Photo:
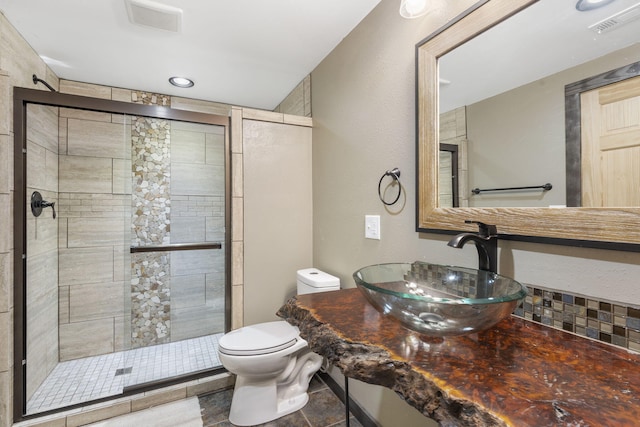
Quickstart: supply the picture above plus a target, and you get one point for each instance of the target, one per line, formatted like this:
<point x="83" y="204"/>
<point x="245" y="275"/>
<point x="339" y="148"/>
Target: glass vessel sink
<point x="439" y="300"/>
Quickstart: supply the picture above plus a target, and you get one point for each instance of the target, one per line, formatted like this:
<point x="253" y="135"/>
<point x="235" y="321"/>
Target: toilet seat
<point x="262" y="338"/>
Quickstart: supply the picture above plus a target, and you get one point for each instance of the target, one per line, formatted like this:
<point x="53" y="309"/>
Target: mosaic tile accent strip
<point x="151" y="171"/>
<point x="461" y="283"/>
<point x="610" y="322"/>
<point x="150" y="225"/>
<point x="150" y="298"/>
<point x="148" y="98"/>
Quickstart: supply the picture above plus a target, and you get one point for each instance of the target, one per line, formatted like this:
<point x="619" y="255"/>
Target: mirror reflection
<point x="502" y="105"/>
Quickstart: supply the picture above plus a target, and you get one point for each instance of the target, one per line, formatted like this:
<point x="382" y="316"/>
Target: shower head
<point x="36" y="80"/>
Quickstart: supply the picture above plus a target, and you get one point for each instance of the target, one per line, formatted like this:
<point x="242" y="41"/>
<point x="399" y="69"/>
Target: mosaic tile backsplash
<point x="606" y="321"/>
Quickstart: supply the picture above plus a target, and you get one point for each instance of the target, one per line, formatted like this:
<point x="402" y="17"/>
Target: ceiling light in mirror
<point x="413" y="8"/>
<point x="584" y="5"/>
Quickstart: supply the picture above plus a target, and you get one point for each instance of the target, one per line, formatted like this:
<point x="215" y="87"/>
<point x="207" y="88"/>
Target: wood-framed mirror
<point x="611" y="227"/>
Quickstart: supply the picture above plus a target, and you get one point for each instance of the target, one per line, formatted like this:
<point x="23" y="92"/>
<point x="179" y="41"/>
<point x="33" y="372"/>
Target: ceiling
<point x="242" y="52"/>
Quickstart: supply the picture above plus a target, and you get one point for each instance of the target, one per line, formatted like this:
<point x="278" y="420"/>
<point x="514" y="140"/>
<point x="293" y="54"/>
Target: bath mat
<point x="182" y="413"/>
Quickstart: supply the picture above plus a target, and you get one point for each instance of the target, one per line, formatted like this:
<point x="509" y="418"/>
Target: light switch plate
<point x="372" y="227"/>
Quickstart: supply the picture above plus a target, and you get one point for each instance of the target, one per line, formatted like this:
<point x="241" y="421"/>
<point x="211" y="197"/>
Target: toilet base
<point x="293" y="404"/>
<point x="259" y="400"/>
<point x="263" y="398"/>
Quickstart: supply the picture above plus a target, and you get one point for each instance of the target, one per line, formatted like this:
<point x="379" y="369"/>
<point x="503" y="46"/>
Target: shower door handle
<point x="176" y="247"/>
<point x="37" y="204"/>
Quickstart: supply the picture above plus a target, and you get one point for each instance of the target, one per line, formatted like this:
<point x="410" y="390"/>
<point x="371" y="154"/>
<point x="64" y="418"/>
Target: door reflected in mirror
<point x="448" y="174"/>
<point x="502" y="94"/>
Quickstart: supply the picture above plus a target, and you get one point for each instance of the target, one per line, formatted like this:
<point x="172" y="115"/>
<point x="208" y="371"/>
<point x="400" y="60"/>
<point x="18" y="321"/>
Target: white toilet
<point x="273" y="365"/>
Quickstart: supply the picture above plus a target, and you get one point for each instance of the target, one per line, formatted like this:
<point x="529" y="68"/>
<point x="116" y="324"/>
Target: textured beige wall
<point x="363" y="99"/>
<point x="277" y="214"/>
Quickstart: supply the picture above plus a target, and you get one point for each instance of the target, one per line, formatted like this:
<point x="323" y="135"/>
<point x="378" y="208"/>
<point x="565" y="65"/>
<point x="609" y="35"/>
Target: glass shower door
<point x="127" y="283"/>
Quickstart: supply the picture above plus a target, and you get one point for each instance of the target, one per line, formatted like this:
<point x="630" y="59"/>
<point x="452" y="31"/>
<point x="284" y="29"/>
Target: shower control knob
<point x="37" y="204"/>
<point x="51" y="205"/>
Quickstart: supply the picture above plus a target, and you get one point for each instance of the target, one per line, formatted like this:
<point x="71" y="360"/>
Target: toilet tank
<point x="312" y="280"/>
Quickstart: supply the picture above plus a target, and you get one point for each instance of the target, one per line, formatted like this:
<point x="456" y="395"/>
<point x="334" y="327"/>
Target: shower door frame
<point x="21" y="98"/>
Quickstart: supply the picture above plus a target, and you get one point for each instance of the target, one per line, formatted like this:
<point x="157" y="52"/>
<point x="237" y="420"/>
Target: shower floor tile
<point x="91" y="378"/>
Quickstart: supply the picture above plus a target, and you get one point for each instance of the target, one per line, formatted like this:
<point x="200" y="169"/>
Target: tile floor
<point x="324" y="409"/>
<point x="91" y="378"/>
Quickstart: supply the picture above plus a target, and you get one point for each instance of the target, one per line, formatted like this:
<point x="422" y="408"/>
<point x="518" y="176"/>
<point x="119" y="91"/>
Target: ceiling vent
<point x="153" y="14"/>
<point x="616" y="20"/>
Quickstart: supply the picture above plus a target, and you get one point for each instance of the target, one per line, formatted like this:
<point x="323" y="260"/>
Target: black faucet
<point x="486" y="244"/>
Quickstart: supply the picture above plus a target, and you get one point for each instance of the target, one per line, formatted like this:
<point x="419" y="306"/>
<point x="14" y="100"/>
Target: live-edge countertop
<point x="518" y="373"/>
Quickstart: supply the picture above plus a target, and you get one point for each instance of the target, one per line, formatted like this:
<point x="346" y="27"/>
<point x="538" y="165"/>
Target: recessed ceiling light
<point x="181" y="81"/>
<point x="584" y="5"/>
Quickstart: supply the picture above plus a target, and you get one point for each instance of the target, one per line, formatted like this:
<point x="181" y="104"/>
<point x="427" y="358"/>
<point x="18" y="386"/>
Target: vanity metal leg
<point x="346" y="398"/>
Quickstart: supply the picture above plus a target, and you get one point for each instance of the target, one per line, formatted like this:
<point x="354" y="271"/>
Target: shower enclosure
<point x="122" y="284"/>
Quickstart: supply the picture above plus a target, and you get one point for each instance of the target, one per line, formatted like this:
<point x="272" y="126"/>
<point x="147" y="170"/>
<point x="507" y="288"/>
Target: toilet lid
<point x="259" y="339"/>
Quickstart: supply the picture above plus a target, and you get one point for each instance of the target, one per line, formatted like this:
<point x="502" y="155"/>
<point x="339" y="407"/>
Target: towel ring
<point x="395" y="174"/>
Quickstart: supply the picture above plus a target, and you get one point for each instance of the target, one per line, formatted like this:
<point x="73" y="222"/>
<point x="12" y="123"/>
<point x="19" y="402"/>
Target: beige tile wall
<point x="298" y="102"/>
<point x="42" y="251"/>
<point x="198" y="215"/>
<point x="93" y="230"/>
